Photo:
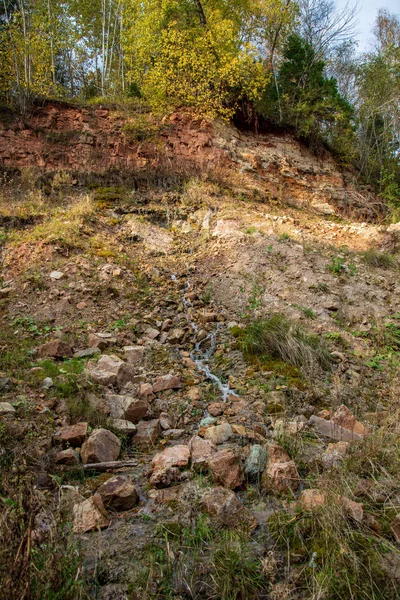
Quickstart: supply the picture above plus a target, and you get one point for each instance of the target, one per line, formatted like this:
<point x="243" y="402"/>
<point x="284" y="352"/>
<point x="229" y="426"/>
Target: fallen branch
<point x="103" y="466"/>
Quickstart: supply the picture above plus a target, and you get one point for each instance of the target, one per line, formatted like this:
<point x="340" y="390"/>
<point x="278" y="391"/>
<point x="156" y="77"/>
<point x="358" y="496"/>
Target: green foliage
<point x="338" y="266"/>
<point x="302" y="97"/>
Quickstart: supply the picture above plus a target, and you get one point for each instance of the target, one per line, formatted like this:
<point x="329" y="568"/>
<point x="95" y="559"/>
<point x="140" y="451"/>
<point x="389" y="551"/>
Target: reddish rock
<point x="216" y="409"/>
<point x="119" y="493"/>
<point x="174" y="456"/>
<point x="223" y="505"/>
<point x="101" y="340"/>
<point x="135" y="409"/>
<point x="90" y="514"/>
<point x="147" y="433"/>
<point x="334" y="454"/>
<point x="145" y="391"/>
<point x="344" y="417"/>
<point x="332" y="430"/>
<point x="201" y="450"/>
<point x="55" y="349"/>
<point x="67" y="457"/>
<point x="72" y="435"/>
<point x="106" y="370"/>
<point x="134" y="354"/>
<point x="311" y="499"/>
<point x="281" y="477"/>
<point x="353" y="510"/>
<point x="167" y="382"/>
<point x="101" y="446"/>
<point x="226" y="469"/>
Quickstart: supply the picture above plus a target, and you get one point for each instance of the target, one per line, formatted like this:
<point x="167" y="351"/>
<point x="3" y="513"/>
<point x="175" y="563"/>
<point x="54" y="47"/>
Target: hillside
<point x="199" y="364"/>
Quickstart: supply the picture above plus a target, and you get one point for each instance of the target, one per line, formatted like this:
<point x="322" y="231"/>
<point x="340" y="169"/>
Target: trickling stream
<point x="201" y="357"/>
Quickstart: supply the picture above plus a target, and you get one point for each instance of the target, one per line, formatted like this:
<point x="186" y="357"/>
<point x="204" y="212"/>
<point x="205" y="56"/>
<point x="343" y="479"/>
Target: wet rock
<point x="135" y="409"/>
<point x="134" y="354"/>
<point x="332" y="430"/>
<point x="344" y="417"/>
<point x="124" y="427"/>
<point x="54" y="349"/>
<point x="201" y="450"/>
<point x="226" y="469"/>
<point x="6" y="409"/>
<point x="89" y="515"/>
<point x="255" y="462"/>
<point x="223" y="506"/>
<point x="101" y="446"/>
<point x="73" y="435"/>
<point x="334" y="454"/>
<point x="119" y="493"/>
<point x="311" y="499"/>
<point x="219" y="433"/>
<point x="147" y="433"/>
<point x="167" y="382"/>
<point x="67" y="457"/>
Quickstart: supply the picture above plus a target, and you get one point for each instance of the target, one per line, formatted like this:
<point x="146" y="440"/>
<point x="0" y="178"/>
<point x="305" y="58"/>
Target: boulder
<point x="6" y="409"/>
<point x="223" y="505"/>
<point x="167" y="382"/>
<point x="101" y="446"/>
<point x="147" y="434"/>
<point x="67" y="457"/>
<point x="124" y="427"/>
<point x="281" y="474"/>
<point x="311" y="499"/>
<point x="218" y="434"/>
<point x="334" y="454"/>
<point x="134" y="354"/>
<point x="332" y="430"/>
<point x="105" y="372"/>
<point x="119" y="493"/>
<point x="345" y="418"/>
<point x="201" y="450"/>
<point x="226" y="469"/>
<point x="255" y="462"/>
<point x="135" y="409"/>
<point x="54" y="349"/>
<point x="101" y="340"/>
<point x="165" y="465"/>
<point x="90" y="514"/>
<point x="72" y="435"/>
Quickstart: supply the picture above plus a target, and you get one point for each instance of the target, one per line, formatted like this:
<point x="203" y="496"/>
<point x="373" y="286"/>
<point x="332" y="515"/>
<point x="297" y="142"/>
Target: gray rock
<point x="256" y="461"/>
<point x="207" y="421"/>
<point x="124" y="427"/>
<point x="6" y="409"/>
<point x="87" y="352"/>
<point x="47" y="383"/>
<point x="332" y="430"/>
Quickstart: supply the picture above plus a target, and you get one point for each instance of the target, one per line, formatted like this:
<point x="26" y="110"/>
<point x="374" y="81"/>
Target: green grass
<point x="375" y="258"/>
<point x="338" y="266"/>
<point x="279" y="338"/>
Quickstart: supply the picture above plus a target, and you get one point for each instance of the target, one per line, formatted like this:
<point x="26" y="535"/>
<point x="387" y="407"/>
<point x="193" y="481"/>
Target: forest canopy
<point x="292" y="64"/>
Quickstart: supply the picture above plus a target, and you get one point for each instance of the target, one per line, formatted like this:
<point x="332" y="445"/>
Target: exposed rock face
<point x="101" y="446"/>
<point x="224" y="506"/>
<point x="119" y="493"/>
<point x="72" y="435"/>
<point x="226" y="469"/>
<point x="55" y="349"/>
<point x="90" y="514"/>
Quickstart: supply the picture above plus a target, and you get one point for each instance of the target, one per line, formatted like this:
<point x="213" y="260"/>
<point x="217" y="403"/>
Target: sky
<point x="367" y="15"/>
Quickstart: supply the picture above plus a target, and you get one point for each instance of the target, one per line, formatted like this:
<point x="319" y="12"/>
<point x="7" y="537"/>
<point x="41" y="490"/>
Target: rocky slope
<point x="195" y="447"/>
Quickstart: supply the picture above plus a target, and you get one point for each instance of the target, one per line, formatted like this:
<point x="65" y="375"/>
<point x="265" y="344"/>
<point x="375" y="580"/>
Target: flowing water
<point x="201" y="357"/>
